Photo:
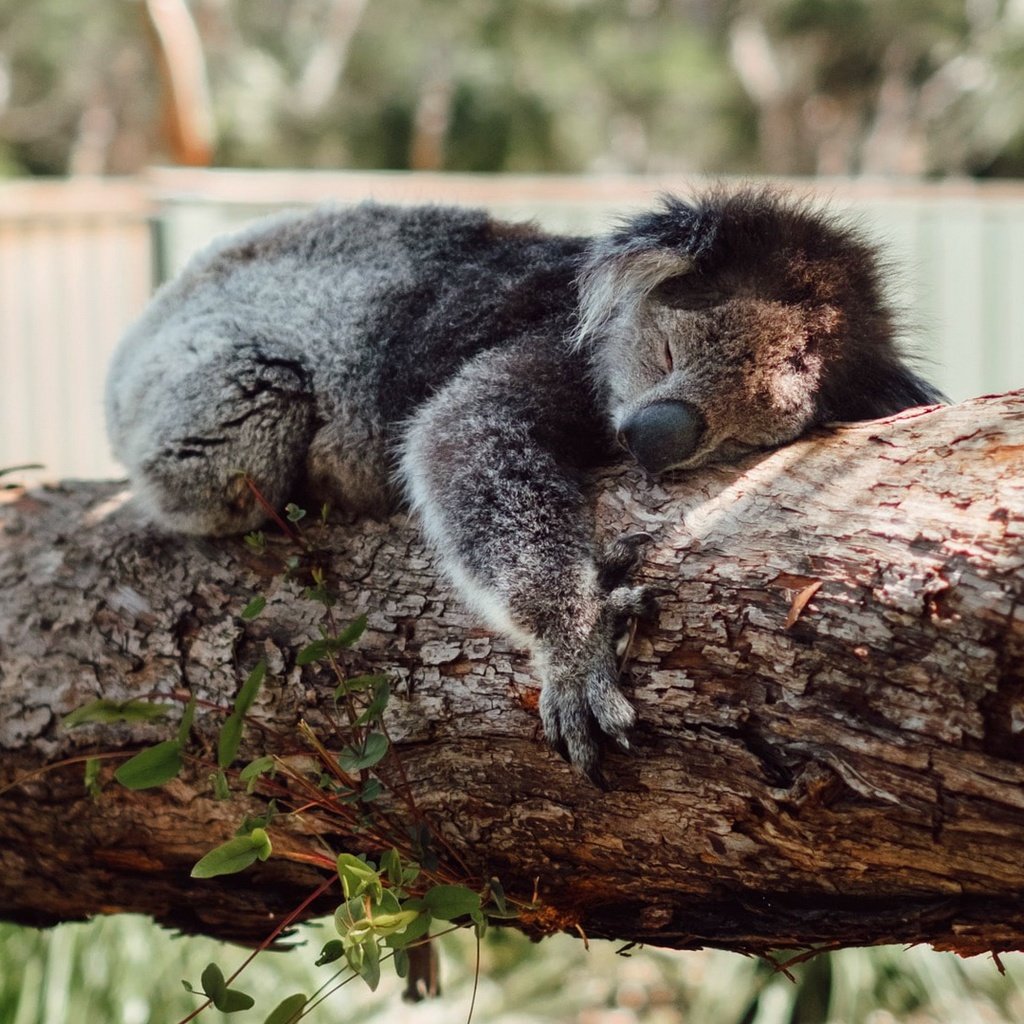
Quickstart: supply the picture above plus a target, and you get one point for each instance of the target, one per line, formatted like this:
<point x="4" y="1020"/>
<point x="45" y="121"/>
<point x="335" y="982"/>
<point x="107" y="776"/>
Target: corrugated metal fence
<point x="78" y="260"/>
<point x="75" y="269"/>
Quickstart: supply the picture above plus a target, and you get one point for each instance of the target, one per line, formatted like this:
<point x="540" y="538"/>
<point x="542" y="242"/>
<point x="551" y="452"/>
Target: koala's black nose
<point x="662" y="434"/>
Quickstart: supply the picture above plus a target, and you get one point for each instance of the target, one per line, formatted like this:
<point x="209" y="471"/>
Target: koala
<point x="478" y="372"/>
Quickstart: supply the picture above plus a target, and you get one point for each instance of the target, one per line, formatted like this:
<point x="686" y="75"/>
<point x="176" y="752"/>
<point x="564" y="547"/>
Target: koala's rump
<point x="381" y="305"/>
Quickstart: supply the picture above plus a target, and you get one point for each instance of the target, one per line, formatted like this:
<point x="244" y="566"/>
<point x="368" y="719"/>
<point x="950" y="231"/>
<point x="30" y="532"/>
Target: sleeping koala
<point x="479" y="370"/>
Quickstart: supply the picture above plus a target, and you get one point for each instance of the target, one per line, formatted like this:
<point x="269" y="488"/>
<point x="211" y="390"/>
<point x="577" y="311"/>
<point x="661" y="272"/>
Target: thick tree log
<point x="832" y="705"/>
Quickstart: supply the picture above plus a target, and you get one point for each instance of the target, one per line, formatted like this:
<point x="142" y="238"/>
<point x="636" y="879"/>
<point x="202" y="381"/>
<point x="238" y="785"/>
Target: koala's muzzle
<point x="662" y="434"/>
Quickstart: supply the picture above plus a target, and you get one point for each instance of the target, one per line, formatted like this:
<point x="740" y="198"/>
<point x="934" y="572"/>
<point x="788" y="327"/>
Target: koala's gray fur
<point x="493" y="366"/>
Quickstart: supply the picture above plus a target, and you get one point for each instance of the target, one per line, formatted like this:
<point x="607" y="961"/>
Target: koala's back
<point x="366" y="311"/>
<point x="408" y="287"/>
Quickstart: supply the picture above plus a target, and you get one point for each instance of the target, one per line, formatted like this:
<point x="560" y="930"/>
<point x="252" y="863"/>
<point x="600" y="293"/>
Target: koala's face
<point x="691" y="386"/>
<point x="735" y="325"/>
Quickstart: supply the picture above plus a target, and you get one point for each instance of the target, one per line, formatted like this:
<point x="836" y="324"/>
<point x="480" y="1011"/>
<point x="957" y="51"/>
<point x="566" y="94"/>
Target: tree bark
<point x="831" y="706"/>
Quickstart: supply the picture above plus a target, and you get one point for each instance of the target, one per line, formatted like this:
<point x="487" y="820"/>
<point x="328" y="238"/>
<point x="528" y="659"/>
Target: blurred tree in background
<point x="780" y="86"/>
<point x="869" y="86"/>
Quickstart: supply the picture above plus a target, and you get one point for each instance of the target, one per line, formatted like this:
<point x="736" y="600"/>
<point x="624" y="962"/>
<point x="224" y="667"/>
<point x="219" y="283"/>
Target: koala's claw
<point x="614" y="715"/>
<point x="626" y="605"/>
<point x="578" y="707"/>
<point x="580" y="751"/>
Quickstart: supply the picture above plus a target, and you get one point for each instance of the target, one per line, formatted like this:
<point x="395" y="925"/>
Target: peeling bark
<point x="832" y="704"/>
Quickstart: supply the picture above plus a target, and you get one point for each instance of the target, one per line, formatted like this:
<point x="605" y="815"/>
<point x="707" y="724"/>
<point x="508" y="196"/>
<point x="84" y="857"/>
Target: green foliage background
<point x="773" y="86"/>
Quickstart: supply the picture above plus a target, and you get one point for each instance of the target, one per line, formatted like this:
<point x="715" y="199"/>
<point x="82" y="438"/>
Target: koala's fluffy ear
<point x="629" y="264"/>
<point x="613" y="285"/>
<point x="874" y="389"/>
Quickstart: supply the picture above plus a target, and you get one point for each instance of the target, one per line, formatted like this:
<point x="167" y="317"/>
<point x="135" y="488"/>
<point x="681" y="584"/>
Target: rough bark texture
<point x="832" y="704"/>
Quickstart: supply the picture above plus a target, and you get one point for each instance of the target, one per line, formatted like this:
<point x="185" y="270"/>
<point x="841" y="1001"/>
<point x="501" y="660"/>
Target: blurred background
<point x="805" y="87"/>
<point x="132" y="131"/>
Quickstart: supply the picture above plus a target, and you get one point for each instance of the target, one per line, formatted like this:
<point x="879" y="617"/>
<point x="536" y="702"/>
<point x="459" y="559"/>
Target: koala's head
<point x="735" y="323"/>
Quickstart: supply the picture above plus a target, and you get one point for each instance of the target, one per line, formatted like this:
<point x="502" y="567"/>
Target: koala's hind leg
<point x="491" y="464"/>
<point x="191" y="436"/>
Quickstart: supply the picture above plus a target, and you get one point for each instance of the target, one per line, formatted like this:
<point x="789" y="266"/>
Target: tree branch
<point x="831" y="704"/>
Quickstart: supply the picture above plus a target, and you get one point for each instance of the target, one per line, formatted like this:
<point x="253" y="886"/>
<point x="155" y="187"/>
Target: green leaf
<point x="333" y="950"/>
<point x="151" y="767"/>
<point x="364" y="755"/>
<point x="251" y="687"/>
<point x="479" y="923"/>
<point x="231" y="732"/>
<point x="254" y="607"/>
<point x="256" y="540"/>
<point x="415" y="930"/>
<point x="229" y="739"/>
<point x="315" y="651"/>
<point x="349" y="914"/>
<point x="251" y="773"/>
<point x="185" y="726"/>
<point x="357" y="876"/>
<point x="233" y="1000"/>
<point x="354" y="954"/>
<point x="448" y="902"/>
<point x="375" y="709"/>
<point x="400" y="959"/>
<point x="372" y="789"/>
<point x="229" y="858"/>
<point x="254" y="769"/>
<point x="349" y="636"/>
<point x="356" y="683"/>
<point x="233" y="856"/>
<point x="213" y="983"/>
<point x="254" y="821"/>
<point x="320" y="593"/>
<point x="397" y="925"/>
<point x="391" y="865"/>
<point x="394" y="924"/>
<point x="287" y="1011"/>
<point x="92" y="776"/>
<point x="107" y="711"/>
<point x="385" y="903"/>
<point x="189" y="988"/>
<point x="293" y="512"/>
<point x="221" y="789"/>
<point x="369" y="969"/>
<point x="262" y="840"/>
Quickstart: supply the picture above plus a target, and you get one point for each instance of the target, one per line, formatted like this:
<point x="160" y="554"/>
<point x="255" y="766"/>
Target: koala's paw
<point x="626" y="606"/>
<point x="581" y="701"/>
<point x="621" y="559"/>
<point x="577" y="706"/>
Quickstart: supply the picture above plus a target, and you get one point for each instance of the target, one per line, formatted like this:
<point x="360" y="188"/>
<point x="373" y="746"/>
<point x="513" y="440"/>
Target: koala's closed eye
<point x="688" y="291"/>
